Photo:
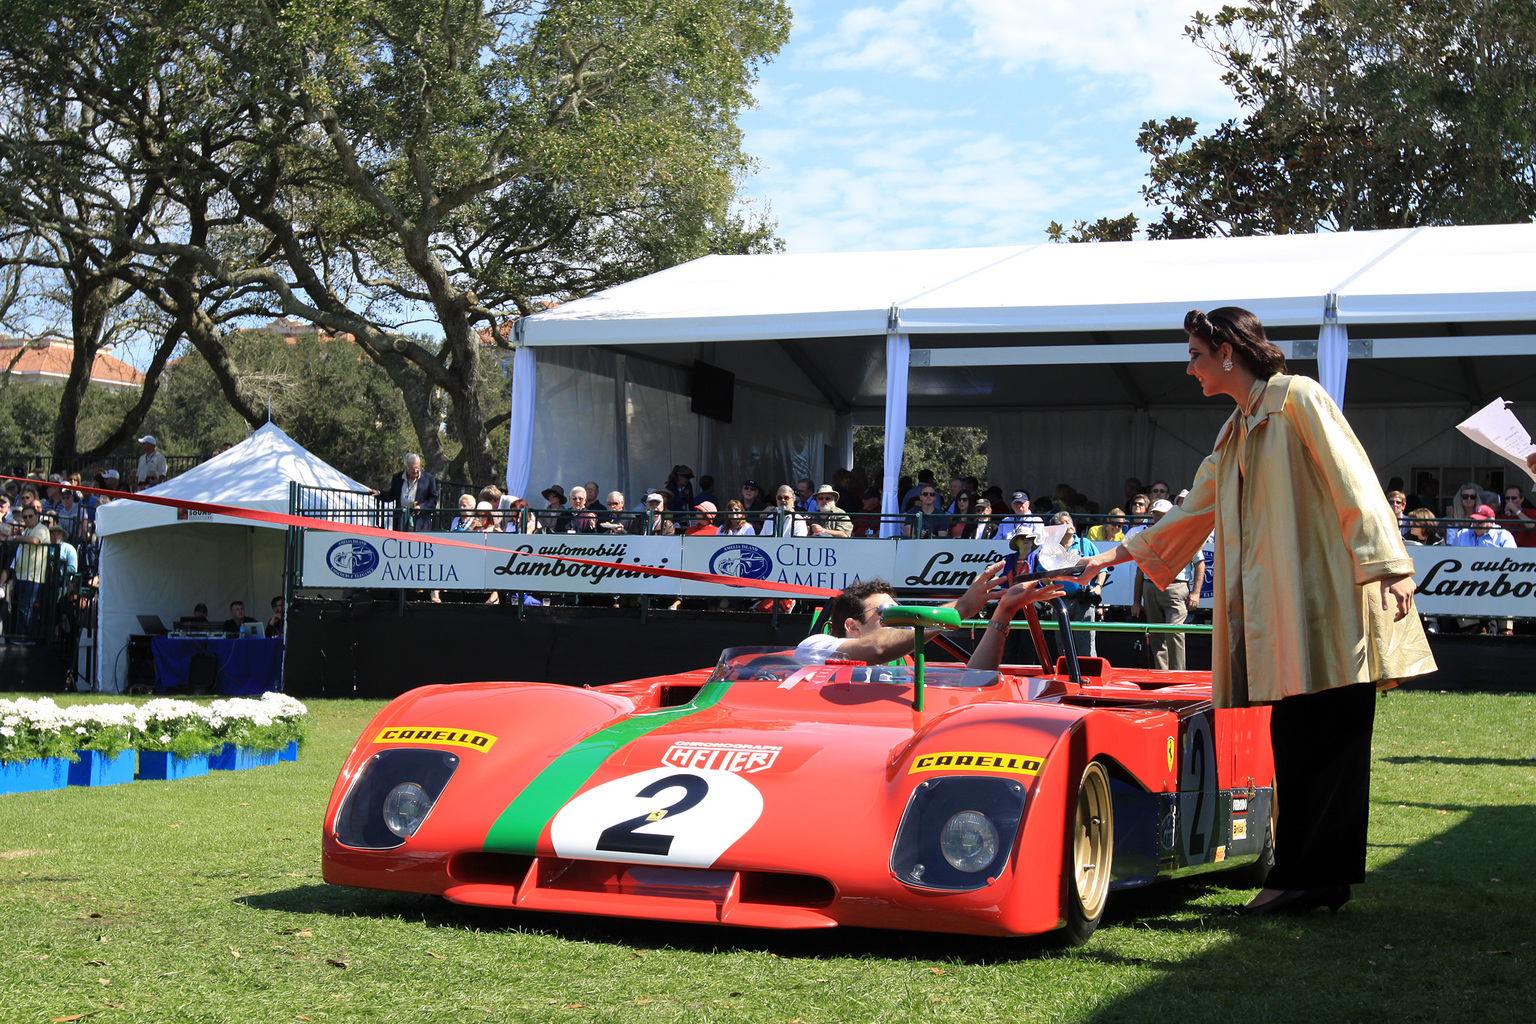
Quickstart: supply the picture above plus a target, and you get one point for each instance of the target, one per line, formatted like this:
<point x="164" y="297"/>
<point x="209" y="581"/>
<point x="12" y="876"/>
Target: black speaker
<point x="713" y="393"/>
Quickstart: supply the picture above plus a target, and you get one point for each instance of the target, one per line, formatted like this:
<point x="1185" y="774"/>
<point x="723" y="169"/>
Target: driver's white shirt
<point x="818" y="647"/>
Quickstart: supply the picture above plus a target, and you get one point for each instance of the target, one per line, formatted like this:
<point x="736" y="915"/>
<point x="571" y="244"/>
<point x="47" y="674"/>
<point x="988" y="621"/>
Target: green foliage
<point x="28" y="412"/>
<point x="1105" y="229"/>
<point x="948" y="451"/>
<point x="1360" y="114"/>
<point x="326" y="395"/>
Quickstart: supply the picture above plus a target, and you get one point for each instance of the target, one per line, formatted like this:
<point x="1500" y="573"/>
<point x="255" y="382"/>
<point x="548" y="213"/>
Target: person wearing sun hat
<point x="828" y="520"/>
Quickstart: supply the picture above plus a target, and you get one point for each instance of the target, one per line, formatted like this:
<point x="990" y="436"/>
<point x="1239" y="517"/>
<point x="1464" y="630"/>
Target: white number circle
<point x="662" y="816"/>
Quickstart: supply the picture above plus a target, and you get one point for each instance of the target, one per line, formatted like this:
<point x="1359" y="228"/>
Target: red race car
<point x="774" y="794"/>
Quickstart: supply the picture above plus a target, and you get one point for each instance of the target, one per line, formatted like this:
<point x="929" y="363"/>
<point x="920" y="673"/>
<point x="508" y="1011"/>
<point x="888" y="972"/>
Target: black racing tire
<point x="1090" y="855"/>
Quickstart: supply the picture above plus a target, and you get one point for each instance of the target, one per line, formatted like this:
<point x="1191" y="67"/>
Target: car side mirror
<point x="919" y="618"/>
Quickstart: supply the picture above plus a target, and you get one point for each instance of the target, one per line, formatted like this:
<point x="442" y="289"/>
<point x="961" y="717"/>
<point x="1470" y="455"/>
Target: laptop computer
<point x="151" y="625"/>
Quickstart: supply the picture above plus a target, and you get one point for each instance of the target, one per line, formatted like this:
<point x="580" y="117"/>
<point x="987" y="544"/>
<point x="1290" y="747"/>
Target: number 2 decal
<point x="660" y="816"/>
<point x="622" y="838"/>
<point x="1197" y="787"/>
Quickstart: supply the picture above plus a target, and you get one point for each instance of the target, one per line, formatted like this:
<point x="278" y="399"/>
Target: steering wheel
<point x="769" y="667"/>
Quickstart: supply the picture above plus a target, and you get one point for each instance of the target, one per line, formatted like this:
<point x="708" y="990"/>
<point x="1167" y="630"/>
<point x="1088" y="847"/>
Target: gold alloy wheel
<point x="1093" y="832"/>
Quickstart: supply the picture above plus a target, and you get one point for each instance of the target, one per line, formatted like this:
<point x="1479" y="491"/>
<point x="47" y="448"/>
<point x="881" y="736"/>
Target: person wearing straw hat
<point x="828" y="520"/>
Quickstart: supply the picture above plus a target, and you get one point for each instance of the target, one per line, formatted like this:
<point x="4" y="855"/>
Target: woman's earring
<point x="1226" y="364"/>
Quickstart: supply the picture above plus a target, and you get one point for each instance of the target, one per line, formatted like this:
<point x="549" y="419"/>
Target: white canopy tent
<point x="1071" y="347"/>
<point x="156" y="561"/>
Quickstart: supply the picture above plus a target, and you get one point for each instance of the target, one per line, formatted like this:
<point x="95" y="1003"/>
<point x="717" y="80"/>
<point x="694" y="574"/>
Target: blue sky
<point x="917" y="124"/>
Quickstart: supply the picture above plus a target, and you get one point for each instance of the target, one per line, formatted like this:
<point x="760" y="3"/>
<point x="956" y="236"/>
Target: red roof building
<point x="46" y="361"/>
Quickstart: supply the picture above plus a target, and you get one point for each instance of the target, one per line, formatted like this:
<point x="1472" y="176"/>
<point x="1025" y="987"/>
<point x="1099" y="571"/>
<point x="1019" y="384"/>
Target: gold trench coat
<point x="1302" y="527"/>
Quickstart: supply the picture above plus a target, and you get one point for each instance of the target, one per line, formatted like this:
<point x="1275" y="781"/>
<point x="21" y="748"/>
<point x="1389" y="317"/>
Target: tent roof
<point x="1407" y="276"/>
<point x="253" y="474"/>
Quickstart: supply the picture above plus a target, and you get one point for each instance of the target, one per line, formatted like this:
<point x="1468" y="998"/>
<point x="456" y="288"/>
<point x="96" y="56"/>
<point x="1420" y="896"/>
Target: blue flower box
<point x="96" y="769"/>
<point x="234" y="758"/>
<point x="37" y="774"/>
<point x="163" y="766"/>
<point x="290" y="752"/>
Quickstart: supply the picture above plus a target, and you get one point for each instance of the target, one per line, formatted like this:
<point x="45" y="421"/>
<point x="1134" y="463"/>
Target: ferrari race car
<point x="770" y="793"/>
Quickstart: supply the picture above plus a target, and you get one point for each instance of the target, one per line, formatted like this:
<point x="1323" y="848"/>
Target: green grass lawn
<point x="201" y="900"/>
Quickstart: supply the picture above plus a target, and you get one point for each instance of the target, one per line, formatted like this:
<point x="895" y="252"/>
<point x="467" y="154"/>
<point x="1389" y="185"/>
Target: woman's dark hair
<point x="1430" y="527"/>
<point x="1235" y="326"/>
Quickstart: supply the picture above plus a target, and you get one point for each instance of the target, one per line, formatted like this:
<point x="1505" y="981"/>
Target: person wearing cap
<point x="828" y="520"/>
<point x="1020" y="521"/>
<point x="703" y="524"/>
<point x="752" y="499"/>
<point x="412" y="489"/>
<point x="1483" y="533"/>
<point x="679" y="487"/>
<point x="29" y="566"/>
<point x="1170" y="605"/>
<point x="659" y="524"/>
<point x="152" y="469"/>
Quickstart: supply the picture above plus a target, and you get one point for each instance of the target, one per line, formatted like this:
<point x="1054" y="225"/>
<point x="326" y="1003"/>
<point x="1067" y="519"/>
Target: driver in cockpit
<point x="855" y="632"/>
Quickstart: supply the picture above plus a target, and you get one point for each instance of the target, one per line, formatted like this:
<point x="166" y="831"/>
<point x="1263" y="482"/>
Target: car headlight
<point x="968" y="841"/>
<point x="391" y="797"/>
<point x="406" y="808"/>
<point x="957" y="831"/>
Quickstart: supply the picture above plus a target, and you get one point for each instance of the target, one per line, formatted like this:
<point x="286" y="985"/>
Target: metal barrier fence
<point x="89" y="466"/>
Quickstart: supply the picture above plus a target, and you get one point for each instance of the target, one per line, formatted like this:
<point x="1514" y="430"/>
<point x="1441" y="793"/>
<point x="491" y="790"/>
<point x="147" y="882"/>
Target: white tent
<point x="1071" y="355"/>
<point x="156" y="561"/>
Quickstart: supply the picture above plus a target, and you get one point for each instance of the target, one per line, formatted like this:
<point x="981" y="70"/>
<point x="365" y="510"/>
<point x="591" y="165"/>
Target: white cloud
<point x="1135" y="49"/>
<point x="900" y="38"/>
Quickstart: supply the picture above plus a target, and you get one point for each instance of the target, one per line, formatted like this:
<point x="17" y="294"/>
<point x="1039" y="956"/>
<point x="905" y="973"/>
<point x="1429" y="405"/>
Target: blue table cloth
<point x="245" y="666"/>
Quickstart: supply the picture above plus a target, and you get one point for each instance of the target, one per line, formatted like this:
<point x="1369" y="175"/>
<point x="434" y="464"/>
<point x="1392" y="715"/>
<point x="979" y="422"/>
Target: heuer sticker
<point x="1239" y="805"/>
<point x="1239" y="829"/>
<point x="1219" y="855"/>
<point x="480" y="741"/>
<point x="746" y="758"/>
<point x="1014" y="764"/>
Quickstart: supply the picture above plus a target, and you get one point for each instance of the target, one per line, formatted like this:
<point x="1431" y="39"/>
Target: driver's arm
<point x="988" y="654"/>
<point x="880" y="645"/>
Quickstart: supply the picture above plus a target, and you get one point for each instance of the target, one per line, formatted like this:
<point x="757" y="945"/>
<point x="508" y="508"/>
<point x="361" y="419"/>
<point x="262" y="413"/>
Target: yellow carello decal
<point x="481" y="741"/>
<point x="974" y="760"/>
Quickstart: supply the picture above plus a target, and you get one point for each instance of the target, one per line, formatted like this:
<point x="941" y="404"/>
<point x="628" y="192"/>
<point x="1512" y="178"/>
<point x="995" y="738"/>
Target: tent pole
<point x="898" y="349"/>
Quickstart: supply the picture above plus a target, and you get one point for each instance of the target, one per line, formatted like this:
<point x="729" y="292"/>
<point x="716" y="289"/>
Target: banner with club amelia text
<point x="1452" y="580"/>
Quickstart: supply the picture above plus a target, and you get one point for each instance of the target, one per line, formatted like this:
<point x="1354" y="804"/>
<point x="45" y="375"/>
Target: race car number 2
<point x="661" y="816"/>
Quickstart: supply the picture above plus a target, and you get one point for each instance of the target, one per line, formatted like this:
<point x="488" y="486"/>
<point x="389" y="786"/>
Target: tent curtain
<point x="842" y="440"/>
<point x="520" y="448"/>
<point x="1333" y="360"/>
<point x="898" y="348"/>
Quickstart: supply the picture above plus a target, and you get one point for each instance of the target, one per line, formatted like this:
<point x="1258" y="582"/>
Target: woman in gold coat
<point x="1313" y="597"/>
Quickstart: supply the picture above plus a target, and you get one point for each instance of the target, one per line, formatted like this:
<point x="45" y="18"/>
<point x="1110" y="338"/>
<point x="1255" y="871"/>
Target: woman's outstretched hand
<point x="1401" y="590"/>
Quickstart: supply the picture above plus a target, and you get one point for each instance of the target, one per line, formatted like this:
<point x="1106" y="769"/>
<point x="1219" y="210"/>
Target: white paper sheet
<point x="1497" y="429"/>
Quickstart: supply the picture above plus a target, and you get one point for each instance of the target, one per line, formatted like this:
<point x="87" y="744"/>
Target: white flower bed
<point x="38" y="728"/>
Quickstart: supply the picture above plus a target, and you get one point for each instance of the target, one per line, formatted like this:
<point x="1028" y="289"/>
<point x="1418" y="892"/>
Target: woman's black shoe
<point x="1299" y="901"/>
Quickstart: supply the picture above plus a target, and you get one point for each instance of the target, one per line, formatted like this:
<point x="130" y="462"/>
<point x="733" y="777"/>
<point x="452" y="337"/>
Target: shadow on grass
<point x="1166" y="907"/>
<point x="1495" y="762"/>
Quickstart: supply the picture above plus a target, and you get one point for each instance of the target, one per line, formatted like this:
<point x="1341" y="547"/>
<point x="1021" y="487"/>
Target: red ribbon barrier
<point x="447" y="540"/>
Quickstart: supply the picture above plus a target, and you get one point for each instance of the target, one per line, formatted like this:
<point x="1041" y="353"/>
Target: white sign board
<point x="1452" y="580"/>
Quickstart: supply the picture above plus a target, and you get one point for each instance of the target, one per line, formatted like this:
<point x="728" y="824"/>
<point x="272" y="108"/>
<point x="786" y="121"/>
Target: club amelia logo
<point x="744" y="561"/>
<point x="352" y="558"/>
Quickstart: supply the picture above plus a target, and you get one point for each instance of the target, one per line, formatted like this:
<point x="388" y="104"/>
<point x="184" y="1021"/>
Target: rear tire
<point x="1253" y="876"/>
<point x="1090" y="853"/>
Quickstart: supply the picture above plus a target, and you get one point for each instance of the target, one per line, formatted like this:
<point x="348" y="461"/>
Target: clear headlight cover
<point x="968" y="841"/>
<point x="405" y="808"/>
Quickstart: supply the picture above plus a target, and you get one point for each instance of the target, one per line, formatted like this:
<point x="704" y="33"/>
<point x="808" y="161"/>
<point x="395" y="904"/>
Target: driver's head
<point x="857" y="609"/>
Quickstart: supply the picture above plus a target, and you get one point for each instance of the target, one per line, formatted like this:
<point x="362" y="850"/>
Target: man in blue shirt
<point x="1482" y="533"/>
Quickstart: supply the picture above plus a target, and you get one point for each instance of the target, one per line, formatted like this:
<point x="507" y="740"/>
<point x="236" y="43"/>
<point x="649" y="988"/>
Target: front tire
<point x="1090" y="853"/>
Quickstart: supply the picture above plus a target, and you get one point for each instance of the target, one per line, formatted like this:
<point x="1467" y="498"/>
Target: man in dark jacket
<point x="414" y="489"/>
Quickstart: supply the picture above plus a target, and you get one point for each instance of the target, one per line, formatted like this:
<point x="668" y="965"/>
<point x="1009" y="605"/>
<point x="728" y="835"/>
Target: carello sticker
<point x="1013" y="764"/>
<point x="481" y="741"/>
